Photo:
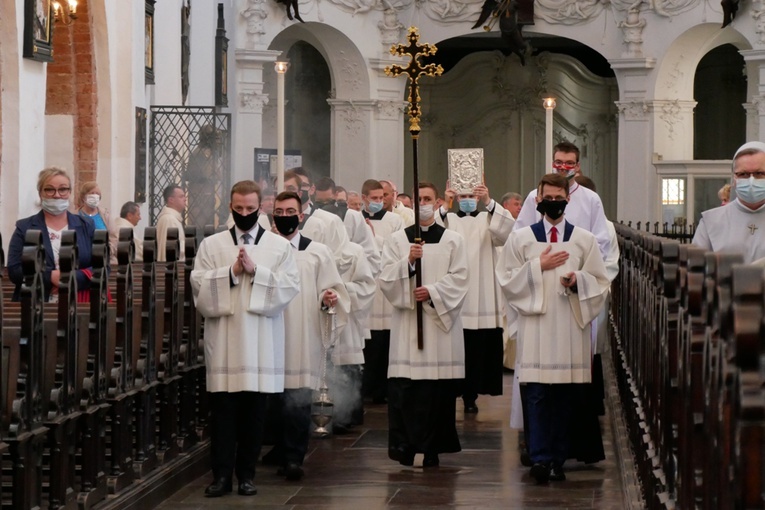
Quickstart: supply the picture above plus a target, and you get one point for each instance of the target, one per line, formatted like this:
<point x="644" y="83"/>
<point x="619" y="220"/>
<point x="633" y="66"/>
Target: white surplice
<point x="168" y="218"/>
<point x="361" y="285"/>
<point x="735" y="228"/>
<point x="553" y="325"/>
<point x="584" y="210"/>
<point x="445" y="275"/>
<point x="384" y="227"/>
<point x="482" y="233"/>
<point x="306" y="324"/>
<point x="360" y="233"/>
<point x="407" y="214"/>
<point x="244" y="323"/>
<point x="327" y="228"/>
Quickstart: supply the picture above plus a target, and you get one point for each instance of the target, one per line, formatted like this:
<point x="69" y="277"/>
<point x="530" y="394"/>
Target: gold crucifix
<point x="752" y="228"/>
<point x="414" y="70"/>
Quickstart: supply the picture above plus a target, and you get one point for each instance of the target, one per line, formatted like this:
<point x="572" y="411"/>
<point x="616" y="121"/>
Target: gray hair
<point x="128" y="208"/>
<point x="511" y="195"/>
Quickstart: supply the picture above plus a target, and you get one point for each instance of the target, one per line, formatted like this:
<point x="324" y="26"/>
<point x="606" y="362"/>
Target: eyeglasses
<point x="745" y="175"/>
<point x="568" y="165"/>
<point x="51" y="192"/>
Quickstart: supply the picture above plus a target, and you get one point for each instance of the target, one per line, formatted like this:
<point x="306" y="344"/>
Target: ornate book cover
<point x="465" y="169"/>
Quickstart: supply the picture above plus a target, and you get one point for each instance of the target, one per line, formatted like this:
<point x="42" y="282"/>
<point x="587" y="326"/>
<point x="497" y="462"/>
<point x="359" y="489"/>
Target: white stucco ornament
<point x="632" y="27"/>
<point x="390" y="28"/>
<point x="568" y="12"/>
<point x="254" y="13"/>
<point x="758" y="13"/>
<point x="252" y="102"/>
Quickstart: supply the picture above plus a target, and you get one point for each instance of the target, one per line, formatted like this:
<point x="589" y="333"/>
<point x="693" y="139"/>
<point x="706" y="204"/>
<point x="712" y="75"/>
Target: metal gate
<point x="191" y="147"/>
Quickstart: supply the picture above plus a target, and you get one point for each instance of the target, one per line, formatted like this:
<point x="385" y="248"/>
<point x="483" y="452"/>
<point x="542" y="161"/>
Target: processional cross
<point x="414" y="71"/>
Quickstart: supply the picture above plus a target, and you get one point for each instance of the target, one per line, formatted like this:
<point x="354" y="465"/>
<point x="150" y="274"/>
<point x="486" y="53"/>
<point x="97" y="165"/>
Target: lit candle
<point x="549" y="104"/>
<point x="281" y="69"/>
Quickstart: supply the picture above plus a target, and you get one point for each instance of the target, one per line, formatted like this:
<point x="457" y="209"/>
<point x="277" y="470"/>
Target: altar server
<point x="384" y="224"/>
<point x="483" y="309"/>
<point x="552" y="273"/>
<point x="307" y="327"/>
<point x="243" y="279"/>
<point x="423" y="384"/>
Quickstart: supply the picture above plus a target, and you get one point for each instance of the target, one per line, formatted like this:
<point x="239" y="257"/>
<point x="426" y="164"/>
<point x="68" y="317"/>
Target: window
<point x="673" y="191"/>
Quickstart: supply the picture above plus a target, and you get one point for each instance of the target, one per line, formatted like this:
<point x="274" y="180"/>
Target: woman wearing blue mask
<point x="54" y="189"/>
<point x="740" y="225"/>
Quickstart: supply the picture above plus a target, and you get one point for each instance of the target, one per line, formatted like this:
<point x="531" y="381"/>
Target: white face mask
<point x="92" y="200"/>
<point x="426" y="212"/>
<point x="55" y="206"/>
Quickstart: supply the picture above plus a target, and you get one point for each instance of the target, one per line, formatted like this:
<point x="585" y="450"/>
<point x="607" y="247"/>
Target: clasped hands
<point x="552" y="260"/>
<point x="481" y="193"/>
<point x="415" y="252"/>
<point x="244" y="264"/>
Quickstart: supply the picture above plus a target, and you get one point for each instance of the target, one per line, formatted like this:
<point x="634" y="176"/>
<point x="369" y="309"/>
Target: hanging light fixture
<point x="65" y="11"/>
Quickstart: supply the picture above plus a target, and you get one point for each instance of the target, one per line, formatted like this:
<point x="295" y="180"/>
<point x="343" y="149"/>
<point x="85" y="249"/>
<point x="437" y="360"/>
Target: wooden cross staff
<point x="414" y="71"/>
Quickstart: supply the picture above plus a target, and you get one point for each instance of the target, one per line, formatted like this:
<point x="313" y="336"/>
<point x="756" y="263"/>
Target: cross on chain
<point x="414" y="70"/>
<point x="752" y="228"/>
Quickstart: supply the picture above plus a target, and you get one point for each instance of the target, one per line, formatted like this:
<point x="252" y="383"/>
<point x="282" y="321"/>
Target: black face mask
<point x="553" y="209"/>
<point x="304" y="196"/>
<point x="342" y="204"/>
<point x="323" y="204"/>
<point x="245" y="223"/>
<point x="286" y="225"/>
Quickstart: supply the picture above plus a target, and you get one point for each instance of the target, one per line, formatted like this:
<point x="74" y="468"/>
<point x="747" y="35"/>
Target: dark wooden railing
<point x="687" y="328"/>
<point x="101" y="402"/>
<point x="682" y="233"/>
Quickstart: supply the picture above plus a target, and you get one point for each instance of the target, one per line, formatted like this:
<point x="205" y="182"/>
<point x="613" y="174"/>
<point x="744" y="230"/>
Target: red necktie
<point x="554" y="235"/>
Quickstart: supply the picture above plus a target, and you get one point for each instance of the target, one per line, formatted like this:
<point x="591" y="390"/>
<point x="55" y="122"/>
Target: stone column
<point x="387" y="149"/>
<point x="248" y="109"/>
<point x="672" y="121"/>
<point x="352" y="135"/>
<point x="755" y="67"/>
<point x="638" y="188"/>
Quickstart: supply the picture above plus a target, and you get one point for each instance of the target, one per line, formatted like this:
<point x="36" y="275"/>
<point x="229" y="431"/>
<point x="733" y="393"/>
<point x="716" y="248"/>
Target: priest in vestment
<point x="243" y="279"/>
<point x="482" y="312"/>
<point x="739" y="226"/>
<point x="423" y="384"/>
<point x="384" y="224"/>
<point x="553" y="274"/>
<point x="171" y="216"/>
<point x="307" y="326"/>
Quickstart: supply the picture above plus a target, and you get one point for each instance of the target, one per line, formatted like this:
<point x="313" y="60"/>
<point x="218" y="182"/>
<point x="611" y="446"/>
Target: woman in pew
<point x="89" y="202"/>
<point x="54" y="188"/>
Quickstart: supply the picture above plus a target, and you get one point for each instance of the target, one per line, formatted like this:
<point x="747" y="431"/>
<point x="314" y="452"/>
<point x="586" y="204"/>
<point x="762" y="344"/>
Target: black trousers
<point x="376" y="350"/>
<point x="483" y="363"/>
<point x="290" y="416"/>
<point x="236" y="427"/>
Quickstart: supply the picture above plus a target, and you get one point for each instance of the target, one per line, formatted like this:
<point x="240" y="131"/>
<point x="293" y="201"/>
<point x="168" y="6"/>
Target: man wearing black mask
<point x="243" y="279"/>
<point x="553" y="274"/>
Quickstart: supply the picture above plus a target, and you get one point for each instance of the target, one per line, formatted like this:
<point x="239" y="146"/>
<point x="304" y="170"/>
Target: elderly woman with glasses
<point x="54" y="188"/>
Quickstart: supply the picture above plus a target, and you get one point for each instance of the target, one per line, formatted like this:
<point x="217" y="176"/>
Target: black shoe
<point x="557" y="474"/>
<point x="431" y="460"/>
<point x="525" y="457"/>
<point x="540" y="472"/>
<point x="471" y="408"/>
<point x="247" y="488"/>
<point x="293" y="472"/>
<point x="218" y="488"/>
<point x="378" y="401"/>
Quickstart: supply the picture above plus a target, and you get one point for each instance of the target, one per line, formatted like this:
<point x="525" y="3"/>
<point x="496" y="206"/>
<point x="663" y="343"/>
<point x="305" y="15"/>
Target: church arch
<point x="347" y="67"/>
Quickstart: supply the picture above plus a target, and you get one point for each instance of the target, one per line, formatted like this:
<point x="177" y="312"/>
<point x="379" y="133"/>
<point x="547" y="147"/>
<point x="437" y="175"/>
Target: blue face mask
<point x="375" y="207"/>
<point x="751" y="190"/>
<point x="468" y="205"/>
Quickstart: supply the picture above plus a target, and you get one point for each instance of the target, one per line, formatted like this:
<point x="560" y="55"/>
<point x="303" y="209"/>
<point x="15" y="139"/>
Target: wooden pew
<point x="23" y="354"/>
<point x="189" y="367"/>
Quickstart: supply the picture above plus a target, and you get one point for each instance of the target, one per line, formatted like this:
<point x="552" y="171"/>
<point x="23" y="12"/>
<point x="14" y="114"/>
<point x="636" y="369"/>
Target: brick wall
<point x="71" y="88"/>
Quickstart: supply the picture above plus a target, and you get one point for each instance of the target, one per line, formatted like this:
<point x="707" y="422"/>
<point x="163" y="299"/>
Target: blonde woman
<point x="54" y="188"/>
<point x="89" y="204"/>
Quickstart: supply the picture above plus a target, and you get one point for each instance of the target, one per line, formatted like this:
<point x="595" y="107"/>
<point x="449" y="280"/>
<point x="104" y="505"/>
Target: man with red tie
<point x="553" y="274"/>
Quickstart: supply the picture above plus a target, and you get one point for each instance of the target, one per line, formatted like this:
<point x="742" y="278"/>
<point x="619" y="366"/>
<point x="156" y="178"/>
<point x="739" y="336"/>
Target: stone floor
<point x="353" y="471"/>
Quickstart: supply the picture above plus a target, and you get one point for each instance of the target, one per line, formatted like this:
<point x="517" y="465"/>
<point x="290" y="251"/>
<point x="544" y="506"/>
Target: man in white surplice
<point x="554" y="276"/>
<point x="307" y="327"/>
<point x="171" y="216"/>
<point x="739" y="226"/>
<point x="482" y="312"/>
<point x="243" y="279"/>
<point x="423" y="384"/>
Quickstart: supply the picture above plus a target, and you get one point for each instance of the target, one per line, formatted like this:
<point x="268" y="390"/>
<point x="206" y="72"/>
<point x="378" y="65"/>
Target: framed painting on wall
<point x="149" y="44"/>
<point x="38" y="30"/>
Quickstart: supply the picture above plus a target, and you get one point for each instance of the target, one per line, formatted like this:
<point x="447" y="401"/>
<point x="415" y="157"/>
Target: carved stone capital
<point x="390" y="110"/>
<point x="351" y="115"/>
<point x="633" y="110"/>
